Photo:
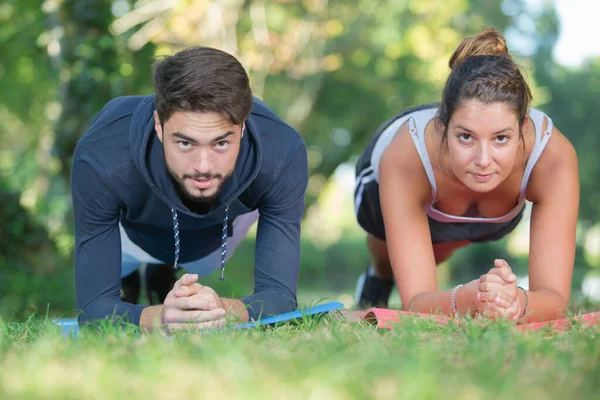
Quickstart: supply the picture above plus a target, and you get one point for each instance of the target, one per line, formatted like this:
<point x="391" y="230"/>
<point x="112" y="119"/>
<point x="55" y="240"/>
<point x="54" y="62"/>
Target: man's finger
<point x="188" y="290"/>
<point x="186" y="279"/>
<point x="197" y="302"/>
<point x="193" y="327"/>
<point x="173" y="315"/>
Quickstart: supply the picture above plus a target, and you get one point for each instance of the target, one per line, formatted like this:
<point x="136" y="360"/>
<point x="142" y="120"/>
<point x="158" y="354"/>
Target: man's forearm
<point x="151" y="318"/>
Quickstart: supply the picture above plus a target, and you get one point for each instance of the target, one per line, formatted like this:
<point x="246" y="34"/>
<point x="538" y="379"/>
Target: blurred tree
<point x="335" y="70"/>
<point x="572" y="102"/>
<point x="28" y="262"/>
<point x="95" y="66"/>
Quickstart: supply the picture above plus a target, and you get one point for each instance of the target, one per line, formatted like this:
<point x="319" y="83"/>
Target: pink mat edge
<point x="386" y="318"/>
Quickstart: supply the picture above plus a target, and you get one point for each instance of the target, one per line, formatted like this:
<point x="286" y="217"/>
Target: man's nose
<point x="203" y="162"/>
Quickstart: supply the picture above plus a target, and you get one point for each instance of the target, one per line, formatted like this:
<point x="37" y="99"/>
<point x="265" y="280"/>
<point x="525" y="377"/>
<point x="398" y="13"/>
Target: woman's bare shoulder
<point x="401" y="160"/>
<point x="557" y="161"/>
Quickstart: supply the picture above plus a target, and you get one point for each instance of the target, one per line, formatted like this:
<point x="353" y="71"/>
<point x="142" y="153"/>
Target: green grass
<point x="312" y="359"/>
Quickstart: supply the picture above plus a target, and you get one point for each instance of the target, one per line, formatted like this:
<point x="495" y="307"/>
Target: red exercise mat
<point x="386" y="318"/>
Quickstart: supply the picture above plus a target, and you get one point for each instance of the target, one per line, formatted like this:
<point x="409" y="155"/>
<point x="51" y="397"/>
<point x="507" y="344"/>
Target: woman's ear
<point x="525" y="122"/>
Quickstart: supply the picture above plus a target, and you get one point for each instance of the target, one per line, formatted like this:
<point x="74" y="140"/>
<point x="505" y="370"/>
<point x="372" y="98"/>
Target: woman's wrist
<point x="523" y="298"/>
<point x="466" y="298"/>
<point x="453" y="300"/>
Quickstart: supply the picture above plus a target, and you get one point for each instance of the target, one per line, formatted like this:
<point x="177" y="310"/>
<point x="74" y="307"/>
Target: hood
<point x="148" y="156"/>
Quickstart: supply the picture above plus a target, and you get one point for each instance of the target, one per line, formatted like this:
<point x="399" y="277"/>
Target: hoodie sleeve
<point x="278" y="241"/>
<point x="97" y="244"/>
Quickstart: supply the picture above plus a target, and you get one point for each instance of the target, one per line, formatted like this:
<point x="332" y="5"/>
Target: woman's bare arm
<point x="404" y="190"/>
<point x="554" y="190"/>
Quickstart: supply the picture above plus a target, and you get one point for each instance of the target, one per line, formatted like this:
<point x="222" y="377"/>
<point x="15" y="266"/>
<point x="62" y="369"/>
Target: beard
<point x="199" y="204"/>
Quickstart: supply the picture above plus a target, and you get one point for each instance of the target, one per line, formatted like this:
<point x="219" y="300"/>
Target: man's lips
<point x="202" y="183"/>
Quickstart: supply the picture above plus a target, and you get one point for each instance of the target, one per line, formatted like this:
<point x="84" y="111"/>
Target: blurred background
<point x="332" y="69"/>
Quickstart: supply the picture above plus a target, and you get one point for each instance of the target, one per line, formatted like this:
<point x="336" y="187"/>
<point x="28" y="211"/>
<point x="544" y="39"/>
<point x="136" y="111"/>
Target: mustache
<point x="202" y="176"/>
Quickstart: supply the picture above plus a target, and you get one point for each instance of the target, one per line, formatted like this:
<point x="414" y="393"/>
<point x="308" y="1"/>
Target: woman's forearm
<point x="543" y="305"/>
<point x="441" y="301"/>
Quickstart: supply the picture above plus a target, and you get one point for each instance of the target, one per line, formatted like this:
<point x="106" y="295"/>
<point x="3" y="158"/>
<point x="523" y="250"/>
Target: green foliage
<point x="335" y="70"/>
<point x="329" y="270"/>
<point x="380" y="59"/>
<point x="93" y="61"/>
<point x="573" y="105"/>
<point x="32" y="272"/>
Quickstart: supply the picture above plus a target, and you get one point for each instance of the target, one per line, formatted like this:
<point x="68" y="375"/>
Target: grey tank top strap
<point x="418" y="137"/>
<point x="417" y="124"/>
<point x="541" y="140"/>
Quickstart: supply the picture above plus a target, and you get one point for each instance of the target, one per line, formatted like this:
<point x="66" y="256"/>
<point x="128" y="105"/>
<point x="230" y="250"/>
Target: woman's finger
<point x="493" y="278"/>
<point x="495" y="312"/>
<point x="500" y="299"/>
<point x="504" y="272"/>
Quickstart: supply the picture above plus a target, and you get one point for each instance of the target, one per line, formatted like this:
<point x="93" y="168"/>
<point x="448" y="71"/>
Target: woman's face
<point x="483" y="141"/>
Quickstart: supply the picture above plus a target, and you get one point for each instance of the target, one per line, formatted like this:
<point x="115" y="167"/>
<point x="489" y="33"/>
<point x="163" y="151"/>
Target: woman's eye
<point x="465" y="137"/>
<point x="502" y="139"/>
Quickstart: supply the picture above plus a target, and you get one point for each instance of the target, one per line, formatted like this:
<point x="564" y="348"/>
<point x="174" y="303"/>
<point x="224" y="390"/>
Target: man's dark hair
<point x="201" y="79"/>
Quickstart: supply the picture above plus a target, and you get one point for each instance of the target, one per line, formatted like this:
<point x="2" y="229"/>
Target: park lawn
<point x="312" y="359"/>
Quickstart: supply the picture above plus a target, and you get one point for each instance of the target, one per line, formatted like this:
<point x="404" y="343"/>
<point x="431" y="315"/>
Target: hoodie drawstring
<point x="176" y="233"/>
<point x="223" y="241"/>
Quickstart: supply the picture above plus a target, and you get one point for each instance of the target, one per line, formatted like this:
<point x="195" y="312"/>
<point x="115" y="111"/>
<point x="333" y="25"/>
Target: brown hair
<point x="483" y="70"/>
<point x="202" y="79"/>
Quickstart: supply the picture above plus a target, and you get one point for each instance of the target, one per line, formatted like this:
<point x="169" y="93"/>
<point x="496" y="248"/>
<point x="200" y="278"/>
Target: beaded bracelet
<point x="526" y="296"/>
<point x="453" y="300"/>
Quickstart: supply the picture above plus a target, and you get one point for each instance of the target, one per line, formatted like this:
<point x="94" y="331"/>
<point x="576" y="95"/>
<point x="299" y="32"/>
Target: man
<point x="179" y="177"/>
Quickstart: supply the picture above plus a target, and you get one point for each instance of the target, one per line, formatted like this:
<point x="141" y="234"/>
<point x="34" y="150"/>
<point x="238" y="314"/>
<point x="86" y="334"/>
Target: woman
<point x="434" y="179"/>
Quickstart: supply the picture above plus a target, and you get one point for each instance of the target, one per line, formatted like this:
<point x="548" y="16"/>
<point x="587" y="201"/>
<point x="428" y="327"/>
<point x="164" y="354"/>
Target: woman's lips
<point x="482" y="177"/>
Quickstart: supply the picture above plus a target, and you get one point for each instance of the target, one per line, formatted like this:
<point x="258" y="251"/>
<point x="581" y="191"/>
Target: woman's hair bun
<point x="488" y="42"/>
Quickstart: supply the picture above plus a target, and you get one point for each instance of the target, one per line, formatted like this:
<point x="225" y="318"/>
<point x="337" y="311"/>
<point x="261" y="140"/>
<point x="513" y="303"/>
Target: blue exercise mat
<point x="70" y="327"/>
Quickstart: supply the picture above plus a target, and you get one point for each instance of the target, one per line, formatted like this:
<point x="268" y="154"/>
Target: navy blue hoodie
<point x="119" y="175"/>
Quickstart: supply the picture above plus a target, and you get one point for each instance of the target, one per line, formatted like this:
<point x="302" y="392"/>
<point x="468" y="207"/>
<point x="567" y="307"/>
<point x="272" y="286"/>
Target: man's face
<point x="201" y="150"/>
<point x="483" y="141"/>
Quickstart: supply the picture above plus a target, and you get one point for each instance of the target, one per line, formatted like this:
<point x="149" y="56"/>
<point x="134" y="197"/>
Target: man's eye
<point x="222" y="144"/>
<point x="184" y="145"/>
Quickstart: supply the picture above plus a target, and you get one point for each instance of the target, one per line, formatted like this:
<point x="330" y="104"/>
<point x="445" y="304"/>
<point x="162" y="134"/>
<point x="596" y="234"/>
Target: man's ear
<point x="158" y="126"/>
